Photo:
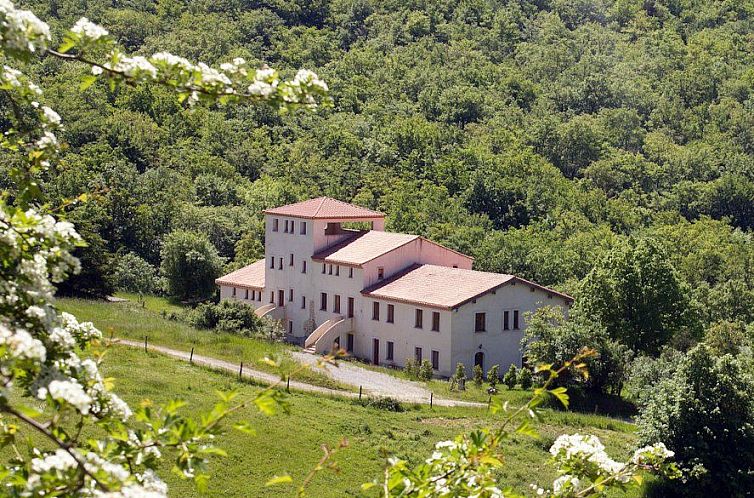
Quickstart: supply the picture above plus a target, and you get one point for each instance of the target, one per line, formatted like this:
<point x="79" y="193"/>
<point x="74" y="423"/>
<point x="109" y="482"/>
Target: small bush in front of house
<point x="227" y="316"/>
<point x="478" y="375"/>
<point x="411" y="368"/>
<point x="525" y="378"/>
<point x="387" y="404"/>
<point x="493" y="375"/>
<point x="425" y="371"/>
<point x="511" y="377"/>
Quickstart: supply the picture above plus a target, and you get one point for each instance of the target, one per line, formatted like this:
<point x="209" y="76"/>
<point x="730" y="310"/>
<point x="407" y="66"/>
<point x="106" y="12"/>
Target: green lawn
<point x="129" y="320"/>
<point x="291" y="442"/>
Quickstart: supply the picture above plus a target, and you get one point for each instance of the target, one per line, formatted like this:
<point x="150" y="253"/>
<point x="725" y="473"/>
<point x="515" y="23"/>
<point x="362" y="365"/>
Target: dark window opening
<point x="435" y="321"/>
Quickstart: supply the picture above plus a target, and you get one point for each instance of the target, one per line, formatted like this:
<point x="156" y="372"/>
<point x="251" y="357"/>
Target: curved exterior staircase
<point x="322" y="339"/>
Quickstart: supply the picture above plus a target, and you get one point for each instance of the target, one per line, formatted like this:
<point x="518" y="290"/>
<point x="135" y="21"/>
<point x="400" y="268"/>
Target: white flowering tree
<point x="467" y="465"/>
<point x="51" y="358"/>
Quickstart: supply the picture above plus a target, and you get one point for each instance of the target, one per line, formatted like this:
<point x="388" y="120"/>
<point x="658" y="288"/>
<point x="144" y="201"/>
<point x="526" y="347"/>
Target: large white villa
<point x="383" y="296"/>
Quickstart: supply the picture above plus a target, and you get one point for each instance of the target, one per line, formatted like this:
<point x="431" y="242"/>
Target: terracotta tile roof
<point x="439" y="286"/>
<point x="324" y="208"/>
<point x="364" y="247"/>
<point x="248" y="276"/>
<point x="444" y="287"/>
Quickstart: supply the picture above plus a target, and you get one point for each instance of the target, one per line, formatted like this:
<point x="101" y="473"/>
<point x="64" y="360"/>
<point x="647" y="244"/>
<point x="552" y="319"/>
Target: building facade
<point x="382" y="296"/>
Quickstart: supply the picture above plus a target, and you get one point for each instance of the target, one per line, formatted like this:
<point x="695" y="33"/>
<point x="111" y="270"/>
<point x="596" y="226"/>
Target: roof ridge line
<point x="321" y="203"/>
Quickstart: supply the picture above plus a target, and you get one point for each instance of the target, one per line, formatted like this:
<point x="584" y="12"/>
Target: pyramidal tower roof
<point x="324" y="208"/>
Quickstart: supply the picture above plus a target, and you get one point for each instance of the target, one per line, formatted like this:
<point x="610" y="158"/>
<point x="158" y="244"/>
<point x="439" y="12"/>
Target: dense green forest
<point x="537" y="136"/>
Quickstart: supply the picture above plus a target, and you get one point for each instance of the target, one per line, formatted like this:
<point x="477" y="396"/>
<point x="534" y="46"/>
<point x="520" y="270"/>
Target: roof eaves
<point x="446" y="247"/>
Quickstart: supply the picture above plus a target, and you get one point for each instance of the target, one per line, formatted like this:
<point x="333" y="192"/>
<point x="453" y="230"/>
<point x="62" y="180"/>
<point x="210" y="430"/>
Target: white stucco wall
<point x="501" y="347"/>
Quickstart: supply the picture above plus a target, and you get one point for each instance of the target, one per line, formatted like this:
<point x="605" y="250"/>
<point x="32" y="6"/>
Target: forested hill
<point x="533" y="135"/>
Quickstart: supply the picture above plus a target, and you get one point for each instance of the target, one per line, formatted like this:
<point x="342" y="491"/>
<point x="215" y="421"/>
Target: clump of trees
<point x="190" y="265"/>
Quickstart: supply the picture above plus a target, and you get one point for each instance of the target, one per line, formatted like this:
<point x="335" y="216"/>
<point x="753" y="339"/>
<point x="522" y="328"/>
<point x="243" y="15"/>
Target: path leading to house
<point x="379" y="384"/>
<point x="374" y="383"/>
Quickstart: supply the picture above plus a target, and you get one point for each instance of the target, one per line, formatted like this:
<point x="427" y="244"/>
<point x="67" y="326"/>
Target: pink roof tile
<point x="324" y="208"/>
<point x="248" y="276"/>
<point x="364" y="247"/>
<point x="439" y="286"/>
<point x="444" y="287"/>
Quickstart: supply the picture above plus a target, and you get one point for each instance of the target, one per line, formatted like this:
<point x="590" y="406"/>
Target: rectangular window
<point x="329" y="269"/>
<point x="375" y="310"/>
<point x="419" y="319"/>
<point x="336" y="304"/>
<point x="389" y="354"/>
<point x="272" y="262"/>
<point x="480" y="322"/>
<point x="303" y="228"/>
<point x="506" y="320"/>
<point x="515" y="319"/>
<point x="285" y="230"/>
<point x="303" y="302"/>
<point x="290" y="295"/>
<point x="324" y="268"/>
<point x="272" y="296"/>
<point x="337" y="271"/>
<point x="293" y="227"/>
<point x="323" y="301"/>
<point x="380" y="273"/>
<point x="418" y="354"/>
<point x="390" y="313"/>
<point x="435" y="321"/>
<point x="259" y="296"/>
<point x="290" y="260"/>
<point x="275" y="225"/>
<point x="303" y="266"/>
<point x="349" y="342"/>
<point x="350" y="273"/>
<point x="290" y="327"/>
<point x="435" y="360"/>
<point x="234" y="291"/>
<point x="280" y="263"/>
<point x="247" y="294"/>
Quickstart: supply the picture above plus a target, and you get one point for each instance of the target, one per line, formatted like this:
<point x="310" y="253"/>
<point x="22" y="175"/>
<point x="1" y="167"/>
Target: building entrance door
<point x="479" y="360"/>
<point x="350" y="307"/>
<point x="376" y="351"/>
<point x="281" y="297"/>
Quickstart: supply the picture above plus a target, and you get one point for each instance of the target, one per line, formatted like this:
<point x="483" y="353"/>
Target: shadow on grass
<point x="598" y="404"/>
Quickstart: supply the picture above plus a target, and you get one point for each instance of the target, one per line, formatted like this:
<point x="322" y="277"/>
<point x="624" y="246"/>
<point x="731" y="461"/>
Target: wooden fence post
<point x="240" y="371"/>
<point x="359" y="392"/>
<point x="145" y="343"/>
<point x="288" y="384"/>
<point x="191" y="357"/>
<point x="431" y="399"/>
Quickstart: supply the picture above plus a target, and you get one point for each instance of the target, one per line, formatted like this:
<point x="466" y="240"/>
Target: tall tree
<point x="635" y="293"/>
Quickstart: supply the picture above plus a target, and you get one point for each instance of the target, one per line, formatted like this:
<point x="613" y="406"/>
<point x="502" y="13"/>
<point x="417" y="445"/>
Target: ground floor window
<point x="349" y="343"/>
<point x="435" y="360"/>
<point x="290" y="327"/>
<point x="418" y="354"/>
<point x="389" y="354"/>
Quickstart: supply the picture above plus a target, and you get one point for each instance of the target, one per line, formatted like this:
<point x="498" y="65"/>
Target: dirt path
<point x="374" y="383"/>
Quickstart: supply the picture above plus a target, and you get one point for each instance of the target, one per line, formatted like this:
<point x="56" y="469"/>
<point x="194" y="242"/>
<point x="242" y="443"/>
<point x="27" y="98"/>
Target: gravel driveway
<point x="379" y="384"/>
<point x="374" y="383"/>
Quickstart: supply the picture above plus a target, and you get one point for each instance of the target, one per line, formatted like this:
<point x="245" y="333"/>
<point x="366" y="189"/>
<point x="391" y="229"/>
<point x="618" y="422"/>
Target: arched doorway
<point x="479" y="360"/>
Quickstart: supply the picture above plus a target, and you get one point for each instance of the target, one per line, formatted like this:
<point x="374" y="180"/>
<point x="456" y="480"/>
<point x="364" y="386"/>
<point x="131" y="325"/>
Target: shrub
<point x="645" y="372"/>
<point x="411" y="368"/>
<point x="550" y="338"/>
<point x="387" y="404"/>
<point x="705" y="413"/>
<point x="425" y="371"/>
<point x="511" y="377"/>
<point x="478" y="376"/>
<point x="460" y="376"/>
<point x="525" y="378"/>
<point x="227" y="316"/>
<point x="493" y="375"/>
<point x="134" y="274"/>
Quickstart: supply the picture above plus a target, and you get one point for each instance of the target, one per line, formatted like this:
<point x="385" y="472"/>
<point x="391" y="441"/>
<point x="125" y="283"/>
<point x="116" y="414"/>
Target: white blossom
<point x="60" y="461"/>
<point x="21" y="344"/>
<point x="87" y="29"/>
<point x="51" y="116"/>
<point x="71" y="392"/>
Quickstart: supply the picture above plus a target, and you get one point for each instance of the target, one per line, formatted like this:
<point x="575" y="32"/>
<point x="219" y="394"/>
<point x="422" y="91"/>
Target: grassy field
<point x="291" y="442"/>
<point x="129" y="320"/>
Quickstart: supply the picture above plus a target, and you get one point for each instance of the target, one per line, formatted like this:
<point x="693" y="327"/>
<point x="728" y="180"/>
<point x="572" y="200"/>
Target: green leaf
<point x="560" y="394"/>
<point x="87" y="81"/>
<point x="284" y="479"/>
<point x="68" y="43"/>
<point x="245" y="427"/>
<point x="266" y="404"/>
